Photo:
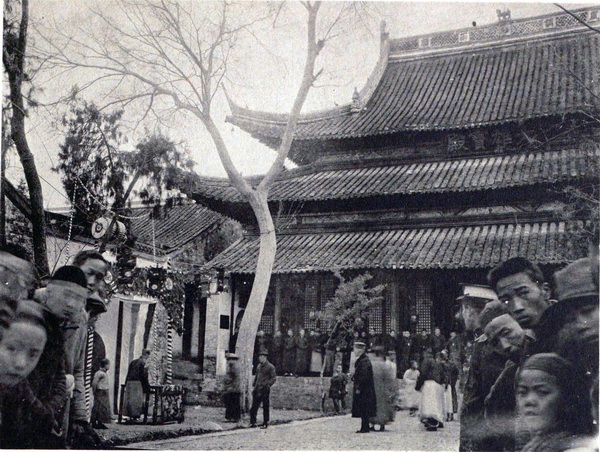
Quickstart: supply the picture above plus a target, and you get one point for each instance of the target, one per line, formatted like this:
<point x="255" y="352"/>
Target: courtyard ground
<point x="329" y="433"/>
<point x="198" y="420"/>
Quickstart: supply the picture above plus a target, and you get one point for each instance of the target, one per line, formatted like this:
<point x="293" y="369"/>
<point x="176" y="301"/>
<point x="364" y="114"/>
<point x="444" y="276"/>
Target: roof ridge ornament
<point x="356" y="104"/>
<point x="503" y="15"/>
<point x="383" y="33"/>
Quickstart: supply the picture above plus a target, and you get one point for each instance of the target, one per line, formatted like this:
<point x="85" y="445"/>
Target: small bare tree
<point x="15" y="60"/>
<point x="167" y="55"/>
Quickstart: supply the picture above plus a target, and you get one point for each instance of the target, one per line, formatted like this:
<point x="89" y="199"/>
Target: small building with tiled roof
<point x="180" y="237"/>
<point x="455" y="156"/>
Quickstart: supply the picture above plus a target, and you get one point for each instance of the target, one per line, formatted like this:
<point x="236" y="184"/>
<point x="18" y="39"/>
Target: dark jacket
<point x="437" y="343"/>
<point x="420" y="344"/>
<point x="302" y="364"/>
<point x="431" y="370"/>
<point x="389" y="343"/>
<point x="500" y="407"/>
<point x="232" y="381"/>
<point x="486" y="366"/>
<point x="265" y="376"/>
<point x="364" y="402"/>
<point x="337" y="389"/>
<point x="138" y="371"/>
<point x="276" y="352"/>
<point x="289" y="354"/>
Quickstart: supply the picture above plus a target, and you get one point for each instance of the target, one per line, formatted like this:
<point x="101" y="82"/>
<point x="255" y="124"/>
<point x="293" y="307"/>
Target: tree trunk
<point x="16" y="75"/>
<point x="2" y="198"/>
<point x="258" y="295"/>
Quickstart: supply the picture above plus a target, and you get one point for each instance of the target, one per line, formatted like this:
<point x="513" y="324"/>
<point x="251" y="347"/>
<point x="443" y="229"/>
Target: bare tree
<point x="174" y="58"/>
<point x="14" y="58"/>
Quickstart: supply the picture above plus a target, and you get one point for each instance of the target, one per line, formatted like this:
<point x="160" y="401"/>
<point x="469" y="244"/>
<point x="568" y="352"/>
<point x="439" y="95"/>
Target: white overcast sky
<point x="268" y="83"/>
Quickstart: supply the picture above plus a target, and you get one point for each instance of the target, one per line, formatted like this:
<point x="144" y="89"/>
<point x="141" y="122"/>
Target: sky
<point x="266" y="77"/>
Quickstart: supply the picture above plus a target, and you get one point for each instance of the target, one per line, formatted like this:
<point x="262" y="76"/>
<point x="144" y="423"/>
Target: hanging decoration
<point x="117" y="233"/>
<point x="166" y="287"/>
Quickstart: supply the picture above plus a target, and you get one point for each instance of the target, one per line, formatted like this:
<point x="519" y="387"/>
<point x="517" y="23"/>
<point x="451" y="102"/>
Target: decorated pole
<point x="169" y="373"/>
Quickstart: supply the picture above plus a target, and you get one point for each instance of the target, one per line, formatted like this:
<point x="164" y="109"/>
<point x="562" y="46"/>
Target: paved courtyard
<point x="332" y="433"/>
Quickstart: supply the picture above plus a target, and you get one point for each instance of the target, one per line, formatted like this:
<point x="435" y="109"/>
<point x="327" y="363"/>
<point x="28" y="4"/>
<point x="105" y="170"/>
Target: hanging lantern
<point x="118" y="232"/>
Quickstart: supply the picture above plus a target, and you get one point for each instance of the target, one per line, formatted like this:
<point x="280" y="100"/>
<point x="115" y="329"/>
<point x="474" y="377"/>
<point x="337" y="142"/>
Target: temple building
<point x="456" y="155"/>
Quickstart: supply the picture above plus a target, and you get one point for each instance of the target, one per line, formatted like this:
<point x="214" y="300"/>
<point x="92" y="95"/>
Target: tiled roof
<point x="453" y="247"/>
<point x="464" y="174"/>
<point x="174" y="228"/>
<point x="473" y="87"/>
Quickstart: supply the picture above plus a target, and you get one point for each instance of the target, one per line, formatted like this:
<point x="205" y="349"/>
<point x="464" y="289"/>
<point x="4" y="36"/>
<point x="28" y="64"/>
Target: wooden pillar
<point x="394" y="305"/>
<point x="277" y="311"/>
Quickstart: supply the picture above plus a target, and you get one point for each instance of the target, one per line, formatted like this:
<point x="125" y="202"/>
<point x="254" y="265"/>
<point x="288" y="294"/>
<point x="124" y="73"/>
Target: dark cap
<point x="263" y="352"/>
<point x="72" y="274"/>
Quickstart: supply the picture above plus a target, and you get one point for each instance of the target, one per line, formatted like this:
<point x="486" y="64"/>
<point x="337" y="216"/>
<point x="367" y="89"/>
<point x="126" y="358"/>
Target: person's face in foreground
<point x="262" y="359"/>
<point x="509" y="339"/>
<point x="538" y="399"/>
<point x="580" y="331"/>
<point x="65" y="299"/>
<point x="95" y="271"/>
<point x="526" y="299"/>
<point x="21" y="346"/>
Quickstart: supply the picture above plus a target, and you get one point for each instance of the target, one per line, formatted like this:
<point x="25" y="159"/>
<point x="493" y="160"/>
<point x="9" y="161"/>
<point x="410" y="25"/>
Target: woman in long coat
<point x="364" y="400"/>
<point x="384" y="377"/>
<point x="430" y="383"/>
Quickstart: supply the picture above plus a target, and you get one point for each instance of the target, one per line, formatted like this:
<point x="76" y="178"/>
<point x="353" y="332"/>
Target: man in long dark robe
<point x="364" y="402"/>
<point x="136" y="386"/>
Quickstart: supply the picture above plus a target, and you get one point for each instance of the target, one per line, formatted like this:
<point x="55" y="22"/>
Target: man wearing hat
<point x="364" y="402"/>
<point x="263" y="380"/>
<point x="507" y="337"/>
<point x="485" y="366"/>
<point x="570" y="327"/>
<point x="232" y="389"/>
<point x="65" y="297"/>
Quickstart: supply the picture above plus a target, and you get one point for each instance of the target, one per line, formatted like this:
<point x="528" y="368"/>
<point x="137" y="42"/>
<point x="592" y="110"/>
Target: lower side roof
<point x="418" y="248"/>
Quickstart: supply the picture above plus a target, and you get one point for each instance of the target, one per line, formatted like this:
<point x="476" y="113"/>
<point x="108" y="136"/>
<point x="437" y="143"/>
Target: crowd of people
<point x="309" y="352"/>
<point x="533" y="378"/>
<point x="43" y="339"/>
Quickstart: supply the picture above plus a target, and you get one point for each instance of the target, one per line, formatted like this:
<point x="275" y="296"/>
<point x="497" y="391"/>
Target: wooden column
<point x="277" y="311"/>
<point x="394" y="305"/>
